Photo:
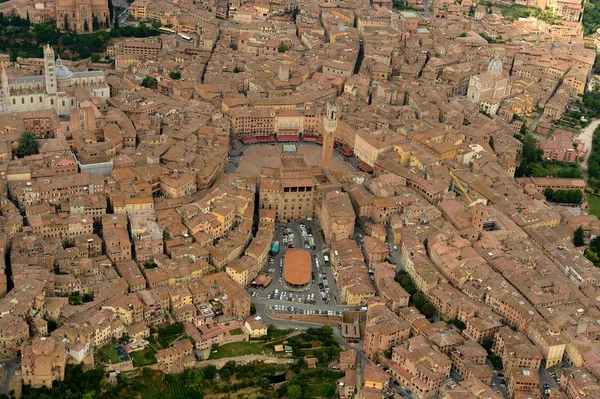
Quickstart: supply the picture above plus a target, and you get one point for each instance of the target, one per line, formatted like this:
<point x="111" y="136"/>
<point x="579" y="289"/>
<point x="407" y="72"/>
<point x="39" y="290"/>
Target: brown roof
<point x="297" y="266"/>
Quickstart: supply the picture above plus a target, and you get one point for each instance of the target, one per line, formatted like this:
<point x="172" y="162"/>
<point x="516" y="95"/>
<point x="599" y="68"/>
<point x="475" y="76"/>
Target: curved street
<point x="586" y="136"/>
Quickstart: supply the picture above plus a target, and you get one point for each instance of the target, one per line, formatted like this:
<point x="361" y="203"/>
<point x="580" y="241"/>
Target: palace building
<point x="58" y="89"/>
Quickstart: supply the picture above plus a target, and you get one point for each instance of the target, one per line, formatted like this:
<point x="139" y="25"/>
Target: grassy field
<point x="108" y="355"/>
<point x="594" y="205"/>
<point x="177" y="390"/>
<point x="237" y="349"/>
<point x="237" y="331"/>
<point x="143" y="357"/>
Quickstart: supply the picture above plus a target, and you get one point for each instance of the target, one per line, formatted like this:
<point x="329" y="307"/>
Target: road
<point x="586" y="138"/>
<point x="8" y="369"/>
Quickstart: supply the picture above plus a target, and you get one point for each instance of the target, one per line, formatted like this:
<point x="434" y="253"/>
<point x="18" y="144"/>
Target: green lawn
<point x="237" y="349"/>
<point x="237" y="331"/>
<point x="593" y="205"/>
<point x="107" y="354"/>
<point x="143" y="357"/>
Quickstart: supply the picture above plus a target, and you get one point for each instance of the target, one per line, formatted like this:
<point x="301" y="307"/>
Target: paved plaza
<point x="255" y="158"/>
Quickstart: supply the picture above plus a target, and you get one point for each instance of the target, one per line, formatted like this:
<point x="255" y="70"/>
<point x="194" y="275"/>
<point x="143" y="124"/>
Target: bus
<point x="274" y="248"/>
<point x="185" y="38"/>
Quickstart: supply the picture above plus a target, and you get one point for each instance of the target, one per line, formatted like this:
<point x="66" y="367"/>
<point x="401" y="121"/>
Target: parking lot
<point x="319" y="296"/>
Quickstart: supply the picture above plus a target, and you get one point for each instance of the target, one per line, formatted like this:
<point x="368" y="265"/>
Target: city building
<point x="56" y="89"/>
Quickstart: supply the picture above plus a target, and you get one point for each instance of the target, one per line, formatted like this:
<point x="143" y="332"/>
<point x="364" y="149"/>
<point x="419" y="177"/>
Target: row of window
<point x="41" y="100"/>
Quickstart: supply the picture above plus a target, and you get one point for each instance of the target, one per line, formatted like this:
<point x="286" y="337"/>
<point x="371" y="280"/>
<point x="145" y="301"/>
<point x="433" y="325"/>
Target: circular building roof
<point x="495" y="65"/>
<point x="297" y="267"/>
<point x="62" y="72"/>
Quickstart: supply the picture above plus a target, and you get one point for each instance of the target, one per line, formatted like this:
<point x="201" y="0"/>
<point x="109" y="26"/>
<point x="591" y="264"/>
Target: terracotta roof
<point x="297" y="266"/>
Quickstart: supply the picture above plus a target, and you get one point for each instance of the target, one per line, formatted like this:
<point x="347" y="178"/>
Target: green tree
<point x="95" y="57"/>
<point x="283" y="48"/>
<point x="150" y="82"/>
<point x="95" y="23"/>
<point x="66" y="23"/>
<point x="294" y="392"/>
<point x="28" y="145"/>
<point x="531" y="152"/>
<point x="265" y="383"/>
<point x="175" y="75"/>
<point x="210" y="372"/>
<point x="111" y="9"/>
<point x="86" y="27"/>
<point x="578" y="237"/>
<point x="156" y="24"/>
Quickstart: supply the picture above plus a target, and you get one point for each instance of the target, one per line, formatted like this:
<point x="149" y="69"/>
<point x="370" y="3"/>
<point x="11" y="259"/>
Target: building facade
<point x="53" y="90"/>
<point x="82" y="15"/>
<point x="488" y="89"/>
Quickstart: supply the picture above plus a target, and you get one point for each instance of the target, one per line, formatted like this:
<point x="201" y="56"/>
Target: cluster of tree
<point x="28" y="145"/>
<point x="322" y="335"/>
<point x="579" y="237"/>
<point x="564" y="196"/>
<point x="299" y="386"/>
<point x="134" y="31"/>
<point x="591" y="17"/>
<point x="168" y="334"/>
<point x="19" y="39"/>
<point x="14" y="20"/>
<point x="77" y="384"/>
<point x="198" y="381"/>
<point x="175" y="75"/>
<point x="594" y="162"/>
<point x="283" y="48"/>
<point x="417" y="298"/>
<point x="150" y="82"/>
<point x="533" y="164"/>
<point x="592" y="252"/>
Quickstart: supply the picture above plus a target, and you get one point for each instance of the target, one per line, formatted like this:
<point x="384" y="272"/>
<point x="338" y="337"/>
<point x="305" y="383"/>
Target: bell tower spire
<point x="50" y="70"/>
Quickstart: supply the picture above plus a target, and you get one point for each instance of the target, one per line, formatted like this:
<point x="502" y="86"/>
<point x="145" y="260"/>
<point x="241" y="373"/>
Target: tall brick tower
<point x="330" y="121"/>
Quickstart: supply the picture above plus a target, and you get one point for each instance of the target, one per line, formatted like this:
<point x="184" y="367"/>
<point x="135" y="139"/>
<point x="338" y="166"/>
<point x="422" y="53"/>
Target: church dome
<point x="495" y="65"/>
<point x="62" y="72"/>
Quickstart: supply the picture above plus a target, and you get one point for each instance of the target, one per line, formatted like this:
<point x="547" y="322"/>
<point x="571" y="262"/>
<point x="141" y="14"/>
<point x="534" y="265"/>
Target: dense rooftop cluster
<point x="139" y="208"/>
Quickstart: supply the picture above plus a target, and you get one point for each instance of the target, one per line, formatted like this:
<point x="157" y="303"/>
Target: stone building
<point x="43" y="361"/>
<point x="337" y="216"/>
<point x="488" y="89"/>
<point x="56" y="89"/>
<point x="82" y="15"/>
<point x="289" y="189"/>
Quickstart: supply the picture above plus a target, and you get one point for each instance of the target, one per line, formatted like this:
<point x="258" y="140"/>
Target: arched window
<point x="22" y="100"/>
<point x="31" y="99"/>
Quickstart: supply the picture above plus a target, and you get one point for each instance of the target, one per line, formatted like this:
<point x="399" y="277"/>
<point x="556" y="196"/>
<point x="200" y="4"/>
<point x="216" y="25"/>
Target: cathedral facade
<point x="78" y="15"/>
<point x="57" y="89"/>
<point x="488" y="89"/>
